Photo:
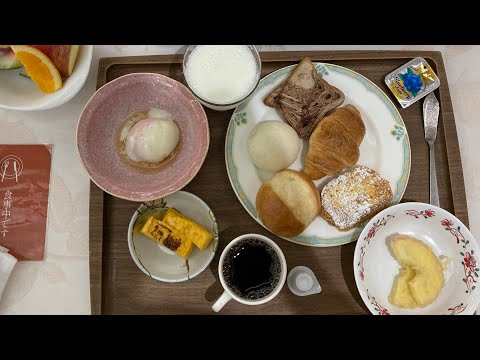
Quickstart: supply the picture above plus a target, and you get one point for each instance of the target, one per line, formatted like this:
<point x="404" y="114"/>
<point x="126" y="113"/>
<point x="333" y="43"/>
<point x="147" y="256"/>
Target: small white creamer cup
<point x="229" y="295"/>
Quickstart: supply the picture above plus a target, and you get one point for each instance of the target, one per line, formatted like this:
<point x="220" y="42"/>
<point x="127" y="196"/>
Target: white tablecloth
<point x="60" y="284"/>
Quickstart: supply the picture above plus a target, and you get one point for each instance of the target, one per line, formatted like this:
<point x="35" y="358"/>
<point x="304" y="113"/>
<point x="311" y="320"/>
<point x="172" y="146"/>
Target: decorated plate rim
<point x="316" y="241"/>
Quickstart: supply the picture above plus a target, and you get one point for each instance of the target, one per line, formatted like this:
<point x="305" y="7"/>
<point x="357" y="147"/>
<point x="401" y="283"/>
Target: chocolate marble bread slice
<point x="304" y="98"/>
<point x="353" y="197"/>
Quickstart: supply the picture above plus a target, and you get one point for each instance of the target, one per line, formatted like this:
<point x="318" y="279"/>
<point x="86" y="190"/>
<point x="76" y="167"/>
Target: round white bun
<point x="273" y="145"/>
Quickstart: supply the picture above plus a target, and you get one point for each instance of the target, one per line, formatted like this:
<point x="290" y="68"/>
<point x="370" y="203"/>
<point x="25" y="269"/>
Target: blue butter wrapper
<point x="412" y="81"/>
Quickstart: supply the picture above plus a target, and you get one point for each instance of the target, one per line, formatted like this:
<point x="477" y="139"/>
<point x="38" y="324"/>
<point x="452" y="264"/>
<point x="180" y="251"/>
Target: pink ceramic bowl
<point x="103" y="115"/>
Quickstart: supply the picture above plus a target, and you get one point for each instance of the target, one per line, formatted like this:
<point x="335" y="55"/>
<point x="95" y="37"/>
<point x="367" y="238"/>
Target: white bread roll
<point x="273" y="145"/>
<point x="288" y="203"/>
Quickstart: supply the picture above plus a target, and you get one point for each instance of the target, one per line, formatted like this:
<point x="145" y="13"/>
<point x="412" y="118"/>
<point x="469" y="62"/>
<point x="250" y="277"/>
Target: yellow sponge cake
<point x="188" y="228"/>
<point x="421" y="277"/>
<point x="177" y="232"/>
<point x="157" y="231"/>
<point x="401" y="295"/>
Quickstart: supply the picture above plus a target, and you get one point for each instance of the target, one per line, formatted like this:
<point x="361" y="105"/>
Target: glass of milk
<point x="222" y="76"/>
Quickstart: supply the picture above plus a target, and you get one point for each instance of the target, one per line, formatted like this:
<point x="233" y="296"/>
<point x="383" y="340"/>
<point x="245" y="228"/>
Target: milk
<point x="221" y="74"/>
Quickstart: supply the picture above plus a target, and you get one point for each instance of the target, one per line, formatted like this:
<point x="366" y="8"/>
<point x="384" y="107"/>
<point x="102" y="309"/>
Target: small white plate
<point x="20" y="93"/>
<point x="157" y="261"/>
<point x="385" y="147"/>
<point x="375" y="268"/>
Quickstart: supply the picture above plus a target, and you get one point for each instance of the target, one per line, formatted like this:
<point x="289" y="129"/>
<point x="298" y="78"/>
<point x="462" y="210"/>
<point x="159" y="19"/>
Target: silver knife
<point x="431" y="109"/>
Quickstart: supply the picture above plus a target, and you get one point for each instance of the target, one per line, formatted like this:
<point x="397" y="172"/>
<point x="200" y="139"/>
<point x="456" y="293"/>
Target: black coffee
<point x="251" y="269"/>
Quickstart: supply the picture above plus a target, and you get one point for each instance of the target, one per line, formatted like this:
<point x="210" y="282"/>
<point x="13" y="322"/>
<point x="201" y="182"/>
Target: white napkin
<point x="7" y="262"/>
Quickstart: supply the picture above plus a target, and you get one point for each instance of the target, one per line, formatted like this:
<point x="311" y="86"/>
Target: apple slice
<point x="8" y="59"/>
<point x="63" y="56"/>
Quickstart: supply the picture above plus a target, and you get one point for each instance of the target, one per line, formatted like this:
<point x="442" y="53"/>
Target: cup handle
<point x="222" y="300"/>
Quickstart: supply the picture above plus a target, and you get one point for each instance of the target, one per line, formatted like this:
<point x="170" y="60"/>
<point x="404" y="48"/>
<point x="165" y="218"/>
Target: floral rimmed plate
<point x="157" y="261"/>
<point x="375" y="268"/>
<point x="385" y="148"/>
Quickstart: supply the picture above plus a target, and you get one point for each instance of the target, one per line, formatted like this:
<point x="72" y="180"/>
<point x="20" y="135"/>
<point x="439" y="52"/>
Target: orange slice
<point x="39" y="67"/>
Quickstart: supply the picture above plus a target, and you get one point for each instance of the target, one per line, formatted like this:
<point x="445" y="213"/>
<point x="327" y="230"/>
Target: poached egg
<point x="152" y="139"/>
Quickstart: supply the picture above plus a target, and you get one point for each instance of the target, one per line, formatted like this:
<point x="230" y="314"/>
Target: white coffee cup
<point x="229" y="295"/>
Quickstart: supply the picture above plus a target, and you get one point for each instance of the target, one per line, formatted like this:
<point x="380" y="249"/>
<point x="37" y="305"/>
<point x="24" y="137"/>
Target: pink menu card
<point x="24" y="187"/>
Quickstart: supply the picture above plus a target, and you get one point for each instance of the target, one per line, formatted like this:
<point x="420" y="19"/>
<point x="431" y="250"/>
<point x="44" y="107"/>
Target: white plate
<point x="375" y="268"/>
<point x="159" y="262"/>
<point x="20" y="93"/>
<point x="385" y="148"/>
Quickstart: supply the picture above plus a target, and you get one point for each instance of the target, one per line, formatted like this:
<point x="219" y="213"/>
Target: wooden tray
<point x="117" y="286"/>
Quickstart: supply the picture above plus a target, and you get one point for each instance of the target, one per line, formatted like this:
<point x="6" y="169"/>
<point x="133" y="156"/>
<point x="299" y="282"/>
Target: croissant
<point x="334" y="144"/>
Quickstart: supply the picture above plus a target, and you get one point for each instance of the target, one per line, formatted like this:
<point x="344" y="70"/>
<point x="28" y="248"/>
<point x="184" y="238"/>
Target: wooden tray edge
<point x="96" y="248"/>
<point x="453" y="153"/>
<point x="272" y="56"/>
<point x="454" y="157"/>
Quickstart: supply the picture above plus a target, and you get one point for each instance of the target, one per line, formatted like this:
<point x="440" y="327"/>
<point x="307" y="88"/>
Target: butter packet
<point x="412" y="81"/>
